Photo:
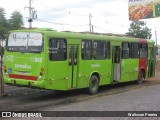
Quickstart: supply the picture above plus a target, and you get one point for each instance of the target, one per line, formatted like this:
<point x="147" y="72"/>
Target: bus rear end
<point x="24" y="59"/>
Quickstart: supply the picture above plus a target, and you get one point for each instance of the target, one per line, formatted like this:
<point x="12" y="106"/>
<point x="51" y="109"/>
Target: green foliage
<point x="15" y="22"/>
<point x="138" y="29"/>
<point x="3" y="24"/>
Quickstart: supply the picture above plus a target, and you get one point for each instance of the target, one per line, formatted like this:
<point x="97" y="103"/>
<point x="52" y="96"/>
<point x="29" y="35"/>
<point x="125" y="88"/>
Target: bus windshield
<point x="25" y="42"/>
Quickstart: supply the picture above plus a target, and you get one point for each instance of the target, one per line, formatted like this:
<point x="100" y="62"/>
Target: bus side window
<point x="57" y="49"/>
<point x="143" y="51"/>
<point x="117" y="54"/>
<point x="125" y="50"/>
<point x="108" y="50"/>
<point x="86" y="49"/>
<point x="99" y="50"/>
<point x="134" y="50"/>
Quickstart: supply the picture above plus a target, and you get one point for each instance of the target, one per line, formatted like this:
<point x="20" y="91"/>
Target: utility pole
<point x="32" y="13"/>
<point x="156" y="48"/>
<point x="1" y="70"/>
<point x="156" y="42"/>
<point x="30" y="17"/>
<point x="90" y="24"/>
<point x="93" y="28"/>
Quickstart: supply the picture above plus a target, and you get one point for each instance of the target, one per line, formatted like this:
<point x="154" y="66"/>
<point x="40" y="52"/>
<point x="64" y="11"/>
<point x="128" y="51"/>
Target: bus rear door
<point x="116" y="52"/>
<point x="143" y="59"/>
<point x="151" y="62"/>
<point x="73" y="67"/>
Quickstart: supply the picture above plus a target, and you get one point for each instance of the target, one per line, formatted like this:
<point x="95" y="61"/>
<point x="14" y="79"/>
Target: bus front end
<point x="24" y="60"/>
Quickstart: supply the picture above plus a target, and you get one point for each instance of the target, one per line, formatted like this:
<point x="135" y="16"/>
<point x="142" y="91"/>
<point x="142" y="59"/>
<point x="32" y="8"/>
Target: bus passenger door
<point x="72" y="62"/>
<point x="116" y="60"/>
<point x="151" y="62"/>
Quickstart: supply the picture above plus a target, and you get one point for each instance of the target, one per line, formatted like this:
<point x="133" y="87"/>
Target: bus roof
<point x="84" y="35"/>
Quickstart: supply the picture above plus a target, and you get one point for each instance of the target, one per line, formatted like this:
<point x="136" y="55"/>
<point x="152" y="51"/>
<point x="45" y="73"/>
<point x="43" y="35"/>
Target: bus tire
<point x="93" y="85"/>
<point x="140" y="77"/>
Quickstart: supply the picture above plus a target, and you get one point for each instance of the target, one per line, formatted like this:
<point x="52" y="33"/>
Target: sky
<point x="107" y="16"/>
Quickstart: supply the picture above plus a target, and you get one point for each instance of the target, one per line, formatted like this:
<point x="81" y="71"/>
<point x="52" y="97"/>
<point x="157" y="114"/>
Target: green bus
<point x="48" y="59"/>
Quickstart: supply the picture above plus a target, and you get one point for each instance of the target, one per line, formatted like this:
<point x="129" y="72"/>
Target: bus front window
<point x="25" y="42"/>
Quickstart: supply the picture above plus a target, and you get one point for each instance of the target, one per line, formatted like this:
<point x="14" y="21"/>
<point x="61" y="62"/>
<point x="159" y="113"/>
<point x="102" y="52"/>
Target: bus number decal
<point x="35" y="59"/>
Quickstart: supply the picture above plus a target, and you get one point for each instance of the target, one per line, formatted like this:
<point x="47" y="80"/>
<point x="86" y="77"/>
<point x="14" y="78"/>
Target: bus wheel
<point x="140" y="77"/>
<point x="93" y="85"/>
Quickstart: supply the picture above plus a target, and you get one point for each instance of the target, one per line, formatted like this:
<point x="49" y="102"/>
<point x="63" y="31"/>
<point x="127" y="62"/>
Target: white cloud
<point x="108" y="15"/>
<point x="12" y="5"/>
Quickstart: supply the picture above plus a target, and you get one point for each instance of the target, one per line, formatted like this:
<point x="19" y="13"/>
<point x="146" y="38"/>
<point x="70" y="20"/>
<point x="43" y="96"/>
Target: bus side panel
<point x="90" y="67"/>
<point x="105" y="72"/>
<point x="129" y="69"/>
<point x="83" y="76"/>
<point x="57" y="75"/>
<point x="143" y="65"/>
<point x="103" y="68"/>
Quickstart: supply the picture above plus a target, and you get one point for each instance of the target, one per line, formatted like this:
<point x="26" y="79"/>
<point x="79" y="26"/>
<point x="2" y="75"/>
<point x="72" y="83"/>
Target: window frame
<point x="97" y="49"/>
<point x="108" y="50"/>
<point x="25" y="47"/>
<point x="140" y="55"/>
<point x="133" y="52"/>
<point x="123" y="50"/>
<point x="51" y="48"/>
<point x="84" y="50"/>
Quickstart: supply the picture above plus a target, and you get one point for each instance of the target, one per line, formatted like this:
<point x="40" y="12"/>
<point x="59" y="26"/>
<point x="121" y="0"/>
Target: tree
<point x="16" y="20"/>
<point x="138" y="29"/>
<point x="3" y="24"/>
